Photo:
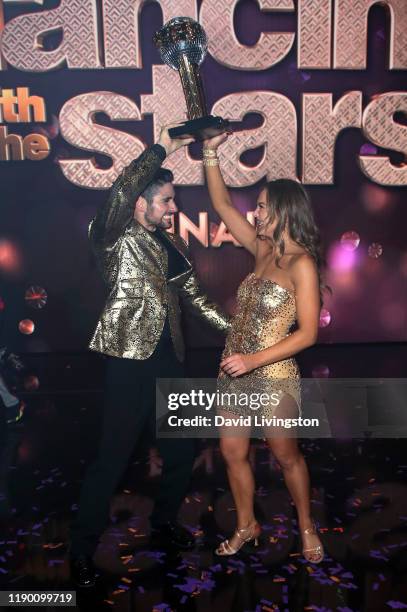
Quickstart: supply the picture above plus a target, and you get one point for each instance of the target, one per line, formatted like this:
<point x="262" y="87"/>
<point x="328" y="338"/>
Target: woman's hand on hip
<point x="238" y="364"/>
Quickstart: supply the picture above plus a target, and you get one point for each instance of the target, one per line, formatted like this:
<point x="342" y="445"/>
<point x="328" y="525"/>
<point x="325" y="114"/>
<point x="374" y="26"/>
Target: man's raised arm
<point x="117" y="212"/>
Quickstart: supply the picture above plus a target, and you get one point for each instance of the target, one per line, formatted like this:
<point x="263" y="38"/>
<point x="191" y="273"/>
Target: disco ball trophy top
<point x="183" y="44"/>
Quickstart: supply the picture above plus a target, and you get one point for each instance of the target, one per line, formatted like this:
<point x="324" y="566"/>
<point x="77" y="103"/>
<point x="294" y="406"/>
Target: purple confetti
<point x="193" y="584"/>
<point x="53" y="562"/>
<point x="376" y="554"/>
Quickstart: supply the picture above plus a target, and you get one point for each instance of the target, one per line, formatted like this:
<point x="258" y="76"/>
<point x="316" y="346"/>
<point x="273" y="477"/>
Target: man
<point x="147" y="272"/>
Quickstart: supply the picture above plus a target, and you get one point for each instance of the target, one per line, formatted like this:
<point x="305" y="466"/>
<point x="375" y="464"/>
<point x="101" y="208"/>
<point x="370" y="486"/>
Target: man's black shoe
<point x="83" y="571"/>
<point x="172" y="534"/>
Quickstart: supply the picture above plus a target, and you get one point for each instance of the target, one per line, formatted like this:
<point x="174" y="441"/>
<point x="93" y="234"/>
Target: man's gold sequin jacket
<point x="134" y="266"/>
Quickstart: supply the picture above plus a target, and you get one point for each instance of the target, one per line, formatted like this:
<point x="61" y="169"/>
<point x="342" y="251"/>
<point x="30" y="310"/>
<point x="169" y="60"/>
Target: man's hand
<point x="172" y="144"/>
<point x="238" y="364"/>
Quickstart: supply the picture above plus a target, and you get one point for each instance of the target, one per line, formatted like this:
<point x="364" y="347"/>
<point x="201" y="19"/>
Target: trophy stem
<point x="192" y="86"/>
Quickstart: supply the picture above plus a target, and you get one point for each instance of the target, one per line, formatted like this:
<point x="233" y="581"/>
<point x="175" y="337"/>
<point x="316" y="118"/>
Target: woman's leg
<point x="295" y="472"/>
<point x="235" y="453"/>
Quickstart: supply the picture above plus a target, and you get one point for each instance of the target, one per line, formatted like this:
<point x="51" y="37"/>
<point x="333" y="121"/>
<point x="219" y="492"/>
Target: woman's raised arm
<point x="236" y="223"/>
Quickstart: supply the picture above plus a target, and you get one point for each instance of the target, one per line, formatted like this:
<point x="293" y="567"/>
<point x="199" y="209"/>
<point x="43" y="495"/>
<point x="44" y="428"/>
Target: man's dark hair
<point x="161" y="177"/>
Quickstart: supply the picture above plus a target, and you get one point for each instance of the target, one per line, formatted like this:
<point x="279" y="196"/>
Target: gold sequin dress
<point x="264" y="316"/>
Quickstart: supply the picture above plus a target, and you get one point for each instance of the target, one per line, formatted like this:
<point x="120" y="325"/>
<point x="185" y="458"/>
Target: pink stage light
<point x="10" y="258"/>
<point x="321" y="371"/>
<point x="26" y="327"/>
<point x="324" y="317"/>
<point x="342" y="259"/>
<point x="350" y="241"/>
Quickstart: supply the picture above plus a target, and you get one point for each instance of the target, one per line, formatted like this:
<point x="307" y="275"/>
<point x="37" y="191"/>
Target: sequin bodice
<point x="265" y="313"/>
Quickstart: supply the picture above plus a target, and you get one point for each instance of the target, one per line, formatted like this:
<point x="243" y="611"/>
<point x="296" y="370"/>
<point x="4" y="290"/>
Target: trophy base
<point x="200" y="129"/>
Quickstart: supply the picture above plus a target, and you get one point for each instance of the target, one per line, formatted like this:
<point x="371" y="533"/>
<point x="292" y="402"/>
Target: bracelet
<point x="210" y="161"/>
<point x="210" y="152"/>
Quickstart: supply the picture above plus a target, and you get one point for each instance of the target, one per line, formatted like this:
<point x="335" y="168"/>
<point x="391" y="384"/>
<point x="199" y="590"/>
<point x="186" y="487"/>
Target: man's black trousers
<point x="129" y="408"/>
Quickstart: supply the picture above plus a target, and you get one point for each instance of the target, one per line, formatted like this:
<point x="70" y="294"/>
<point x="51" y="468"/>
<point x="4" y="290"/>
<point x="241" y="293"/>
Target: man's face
<point x="159" y="212"/>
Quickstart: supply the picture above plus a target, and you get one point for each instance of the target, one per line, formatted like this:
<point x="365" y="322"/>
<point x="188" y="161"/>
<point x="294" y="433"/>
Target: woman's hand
<point x="238" y="364"/>
<point x="214" y="142"/>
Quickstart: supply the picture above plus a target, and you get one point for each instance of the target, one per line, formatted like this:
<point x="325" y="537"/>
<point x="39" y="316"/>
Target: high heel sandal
<point x="244" y="535"/>
<point x="309" y="553"/>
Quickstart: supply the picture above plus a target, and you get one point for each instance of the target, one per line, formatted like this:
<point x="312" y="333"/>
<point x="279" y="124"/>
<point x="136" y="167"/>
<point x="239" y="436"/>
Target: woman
<point x="284" y="287"/>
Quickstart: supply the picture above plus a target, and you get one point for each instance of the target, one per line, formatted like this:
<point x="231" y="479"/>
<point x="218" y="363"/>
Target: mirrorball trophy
<point x="183" y="44"/>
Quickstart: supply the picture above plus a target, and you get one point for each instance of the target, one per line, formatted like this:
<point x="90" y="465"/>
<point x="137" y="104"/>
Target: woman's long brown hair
<point x="289" y="203"/>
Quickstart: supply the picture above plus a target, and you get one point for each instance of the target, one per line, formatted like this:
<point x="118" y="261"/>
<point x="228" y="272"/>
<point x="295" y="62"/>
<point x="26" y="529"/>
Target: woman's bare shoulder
<point x="302" y="263"/>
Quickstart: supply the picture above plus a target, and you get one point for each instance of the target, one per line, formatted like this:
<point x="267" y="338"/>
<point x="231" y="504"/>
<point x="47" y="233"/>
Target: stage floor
<point x="359" y="500"/>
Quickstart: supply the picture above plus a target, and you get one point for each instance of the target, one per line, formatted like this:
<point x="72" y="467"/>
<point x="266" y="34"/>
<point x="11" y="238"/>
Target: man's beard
<point x="162" y="224"/>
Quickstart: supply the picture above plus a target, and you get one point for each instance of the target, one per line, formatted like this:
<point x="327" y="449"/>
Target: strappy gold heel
<point x="244" y="535"/>
<point x="316" y="551"/>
